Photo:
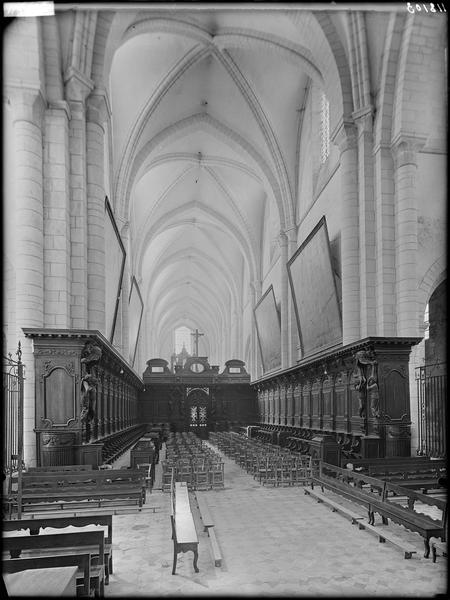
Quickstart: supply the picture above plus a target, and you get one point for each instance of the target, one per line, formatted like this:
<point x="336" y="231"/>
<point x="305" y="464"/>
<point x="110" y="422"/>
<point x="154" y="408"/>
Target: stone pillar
<point x="95" y="133"/>
<point x="405" y="151"/>
<point x="283" y="240"/>
<point x="255" y="292"/>
<point x="368" y="270"/>
<point x="385" y="240"/>
<point x="345" y="137"/>
<point x="77" y="89"/>
<point x="57" y="272"/>
<point x="28" y="238"/>
<point x="127" y="351"/>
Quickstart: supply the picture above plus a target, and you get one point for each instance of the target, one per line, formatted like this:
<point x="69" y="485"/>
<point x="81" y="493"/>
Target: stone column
<point x="283" y="240"/>
<point x="57" y="276"/>
<point x="255" y="293"/>
<point x="405" y="150"/>
<point x="77" y="88"/>
<point x="345" y="137"/>
<point x="95" y="133"/>
<point x="127" y="351"/>
<point x="28" y="239"/>
<point x="385" y="240"/>
<point x="368" y="270"/>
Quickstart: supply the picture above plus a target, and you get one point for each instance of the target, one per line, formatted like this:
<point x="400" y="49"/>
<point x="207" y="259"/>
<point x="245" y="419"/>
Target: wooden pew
<point x="59" y="544"/>
<point x="82" y="561"/>
<point x="49" y="582"/>
<point x="419" y="472"/>
<point x="184" y="535"/>
<point x="36" y="524"/>
<point x="42" y="490"/>
<point x="356" y="488"/>
<point x="208" y="524"/>
<point x="51" y="468"/>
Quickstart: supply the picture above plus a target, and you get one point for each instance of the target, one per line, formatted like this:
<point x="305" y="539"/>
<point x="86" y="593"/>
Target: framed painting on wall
<point x="114" y="267"/>
<point x="135" y="312"/>
<point x="314" y="293"/>
<point x="268" y="328"/>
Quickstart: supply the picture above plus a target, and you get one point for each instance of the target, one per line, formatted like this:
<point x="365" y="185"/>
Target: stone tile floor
<point x="274" y="542"/>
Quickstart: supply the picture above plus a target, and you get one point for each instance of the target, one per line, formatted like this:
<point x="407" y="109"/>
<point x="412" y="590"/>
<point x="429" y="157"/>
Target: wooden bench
<point x="384" y="536"/>
<point x="335" y="507"/>
<point x="54" y="581"/>
<point x="438" y="545"/>
<point x="184" y="535"/>
<point x="59" y="544"/>
<point x="36" y="524"/>
<point x="205" y="515"/>
<point x="351" y="486"/>
<point x="208" y="524"/>
<point x="413" y="472"/>
<point x="80" y="560"/>
<point x="51" y="468"/>
<point x="43" y="490"/>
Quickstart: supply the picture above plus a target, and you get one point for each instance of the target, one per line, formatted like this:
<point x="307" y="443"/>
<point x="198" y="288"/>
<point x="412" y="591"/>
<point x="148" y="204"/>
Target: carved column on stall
<point x="90" y="357"/>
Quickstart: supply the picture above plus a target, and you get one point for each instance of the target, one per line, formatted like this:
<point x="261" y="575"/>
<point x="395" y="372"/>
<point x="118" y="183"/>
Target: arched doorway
<point x="199" y="410"/>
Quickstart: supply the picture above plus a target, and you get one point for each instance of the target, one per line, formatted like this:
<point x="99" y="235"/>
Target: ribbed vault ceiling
<point x="205" y="109"/>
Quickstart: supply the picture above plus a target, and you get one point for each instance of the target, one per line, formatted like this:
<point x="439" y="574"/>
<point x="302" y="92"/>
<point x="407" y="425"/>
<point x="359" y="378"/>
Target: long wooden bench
<point x="335" y="507"/>
<point x="59" y="544"/>
<point x="208" y="524"/>
<point x="205" y="515"/>
<point x="355" y="518"/>
<point x="413" y="472"/>
<point x="51" y="468"/>
<point x="44" y="582"/>
<point x="36" y="524"/>
<point x="356" y="488"/>
<point x="184" y="535"/>
<point x="44" y="490"/>
<point x="385" y="536"/>
<point x="80" y="560"/>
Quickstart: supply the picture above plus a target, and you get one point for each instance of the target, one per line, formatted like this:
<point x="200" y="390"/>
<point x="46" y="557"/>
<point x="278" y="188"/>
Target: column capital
<point x="77" y="85"/>
<point x="344" y="134"/>
<point x="60" y="105"/>
<point x="98" y="106"/>
<point x="283" y="239"/>
<point x="404" y="149"/>
<point x="363" y="119"/>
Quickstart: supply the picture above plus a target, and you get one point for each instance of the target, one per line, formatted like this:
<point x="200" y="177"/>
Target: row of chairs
<point x="189" y="460"/>
<point x="268" y="463"/>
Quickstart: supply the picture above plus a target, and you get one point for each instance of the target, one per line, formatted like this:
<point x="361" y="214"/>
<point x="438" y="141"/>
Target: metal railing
<point x="13" y="378"/>
<point x="431" y="383"/>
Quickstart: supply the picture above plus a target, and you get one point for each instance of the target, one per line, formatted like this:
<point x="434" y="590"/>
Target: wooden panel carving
<point x="59" y="394"/>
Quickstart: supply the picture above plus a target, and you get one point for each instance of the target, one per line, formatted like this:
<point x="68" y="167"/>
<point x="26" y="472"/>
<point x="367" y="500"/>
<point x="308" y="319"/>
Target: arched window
<point x="324" y="128"/>
<point x="183" y="338"/>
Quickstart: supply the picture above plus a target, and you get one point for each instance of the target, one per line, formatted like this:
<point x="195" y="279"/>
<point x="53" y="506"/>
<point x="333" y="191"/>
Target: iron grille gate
<point x="431" y="409"/>
<point x="13" y="377"/>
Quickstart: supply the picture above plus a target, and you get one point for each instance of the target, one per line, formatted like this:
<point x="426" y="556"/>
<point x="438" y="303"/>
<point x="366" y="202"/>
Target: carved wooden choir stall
<point x="196" y="397"/>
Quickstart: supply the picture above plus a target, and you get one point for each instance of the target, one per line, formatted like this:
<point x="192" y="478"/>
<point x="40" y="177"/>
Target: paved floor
<point x="274" y="542"/>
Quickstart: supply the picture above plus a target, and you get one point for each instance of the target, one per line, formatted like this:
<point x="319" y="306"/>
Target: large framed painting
<point x="135" y="312"/>
<point x="268" y="328"/>
<point x="114" y="267"/>
<point x="314" y="293"/>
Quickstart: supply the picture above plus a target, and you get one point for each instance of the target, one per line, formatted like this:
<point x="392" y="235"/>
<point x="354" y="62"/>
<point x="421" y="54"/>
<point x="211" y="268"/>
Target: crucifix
<point x="196" y="335"/>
